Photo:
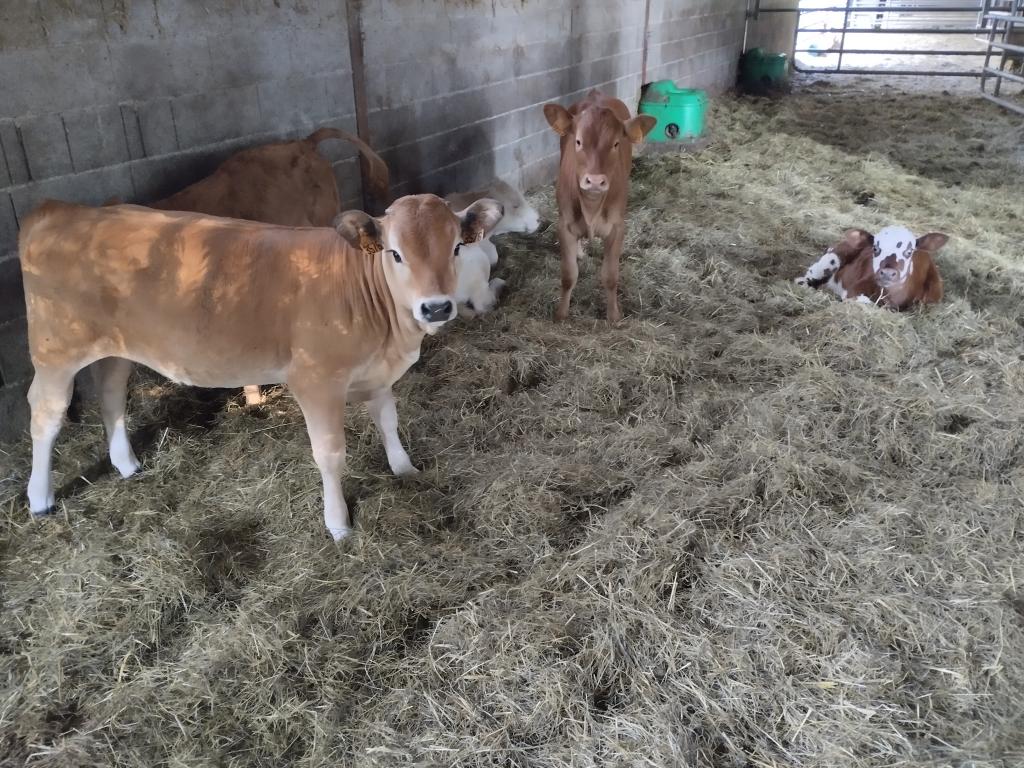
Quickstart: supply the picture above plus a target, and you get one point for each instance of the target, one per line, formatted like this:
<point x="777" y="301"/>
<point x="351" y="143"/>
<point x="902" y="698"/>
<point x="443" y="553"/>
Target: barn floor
<point x="750" y="526"/>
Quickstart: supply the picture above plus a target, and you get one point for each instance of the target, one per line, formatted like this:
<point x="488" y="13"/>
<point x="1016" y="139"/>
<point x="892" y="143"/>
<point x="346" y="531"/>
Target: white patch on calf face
<point x="898" y="242"/>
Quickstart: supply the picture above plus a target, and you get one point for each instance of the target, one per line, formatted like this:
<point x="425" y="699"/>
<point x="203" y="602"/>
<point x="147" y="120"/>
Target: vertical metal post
<point x="355" y="51"/>
<point x="991" y="38"/>
<point x="842" y="40"/>
<point x="647" y="39"/>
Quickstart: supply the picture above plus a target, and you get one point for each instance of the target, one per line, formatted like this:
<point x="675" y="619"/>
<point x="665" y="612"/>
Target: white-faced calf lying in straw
<point x="892" y="269"/>
<point x="475" y="292"/>
<point x="336" y="314"/>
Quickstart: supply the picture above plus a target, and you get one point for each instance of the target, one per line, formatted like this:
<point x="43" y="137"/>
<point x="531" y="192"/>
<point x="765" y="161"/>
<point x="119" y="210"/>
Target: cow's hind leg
<point x="48" y="398"/>
<point x="385" y="416"/>
<point x="324" y="412"/>
<point x="570" y="245"/>
<point x="111" y="378"/>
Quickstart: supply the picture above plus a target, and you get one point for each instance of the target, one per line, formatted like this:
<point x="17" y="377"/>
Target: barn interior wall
<point x="775" y="32"/>
<point x="137" y="98"/>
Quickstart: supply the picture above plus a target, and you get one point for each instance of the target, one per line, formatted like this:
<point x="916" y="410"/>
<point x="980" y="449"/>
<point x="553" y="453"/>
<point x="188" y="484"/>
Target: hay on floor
<point x="749" y="526"/>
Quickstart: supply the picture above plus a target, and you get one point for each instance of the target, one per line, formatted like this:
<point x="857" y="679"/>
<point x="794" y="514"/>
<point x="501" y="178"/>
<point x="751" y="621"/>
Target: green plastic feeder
<point x="761" y="71"/>
<point x="679" y="111"/>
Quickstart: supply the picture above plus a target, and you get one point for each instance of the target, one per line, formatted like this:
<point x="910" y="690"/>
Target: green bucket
<point x="761" y="71"/>
<point x="679" y="111"/>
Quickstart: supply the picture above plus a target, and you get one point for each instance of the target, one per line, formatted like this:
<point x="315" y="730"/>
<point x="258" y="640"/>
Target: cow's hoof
<point x="43" y="513"/>
<point x="127" y="468"/>
<point x="561" y="315"/>
<point x="340" y="533"/>
<point x="614" y="316"/>
<point x="407" y="470"/>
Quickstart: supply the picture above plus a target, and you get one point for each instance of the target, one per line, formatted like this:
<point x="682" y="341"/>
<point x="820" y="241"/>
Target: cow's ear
<point x="638" y="127"/>
<point x="858" y="239"/>
<point x="558" y="118"/>
<point x="932" y="242"/>
<point x="361" y="230"/>
<point x="477" y="221"/>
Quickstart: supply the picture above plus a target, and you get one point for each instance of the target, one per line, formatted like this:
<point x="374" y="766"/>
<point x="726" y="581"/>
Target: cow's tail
<point x="378" y="180"/>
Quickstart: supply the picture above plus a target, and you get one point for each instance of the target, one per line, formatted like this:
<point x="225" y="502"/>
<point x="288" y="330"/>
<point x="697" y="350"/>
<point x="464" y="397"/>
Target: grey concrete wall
<point x="137" y="98"/>
<point x="775" y="32"/>
<point x="455" y="96"/>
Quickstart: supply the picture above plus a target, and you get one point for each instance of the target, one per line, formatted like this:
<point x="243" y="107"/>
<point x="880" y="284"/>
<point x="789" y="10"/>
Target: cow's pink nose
<point x="595" y="181"/>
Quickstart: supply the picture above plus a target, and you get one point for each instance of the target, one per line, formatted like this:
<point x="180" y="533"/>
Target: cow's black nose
<point x="437" y="311"/>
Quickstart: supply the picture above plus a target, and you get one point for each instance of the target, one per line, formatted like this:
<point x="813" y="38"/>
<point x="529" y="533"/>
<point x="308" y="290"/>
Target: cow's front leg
<point x="610" y="271"/>
<point x="570" y="245"/>
<point x="385" y="416"/>
<point x="323" y="408"/>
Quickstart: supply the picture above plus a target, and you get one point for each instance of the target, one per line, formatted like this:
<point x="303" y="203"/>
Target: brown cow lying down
<point x="287" y="183"/>
<point x="892" y="269"/>
<point x="337" y="314"/>
<point x="593" y="185"/>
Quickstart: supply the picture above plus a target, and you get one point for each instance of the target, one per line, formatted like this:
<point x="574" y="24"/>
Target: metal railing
<point x="1003" y="20"/>
<point x="854" y="12"/>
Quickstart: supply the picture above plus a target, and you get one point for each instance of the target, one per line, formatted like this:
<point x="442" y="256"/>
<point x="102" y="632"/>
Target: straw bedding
<point x="749" y="526"/>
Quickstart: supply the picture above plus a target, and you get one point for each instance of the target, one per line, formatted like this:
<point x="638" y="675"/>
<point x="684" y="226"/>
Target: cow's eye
<point x="616" y="145"/>
<point x="396" y="256"/>
<point x="579" y="143"/>
<point x="458" y="248"/>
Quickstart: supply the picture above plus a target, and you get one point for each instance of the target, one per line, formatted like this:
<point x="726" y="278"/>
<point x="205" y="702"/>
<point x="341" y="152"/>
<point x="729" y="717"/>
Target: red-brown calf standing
<point x="893" y="269"/>
<point x="597" y="138"/>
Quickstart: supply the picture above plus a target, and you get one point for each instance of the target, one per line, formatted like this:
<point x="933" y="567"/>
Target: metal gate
<point x="1002" y="21"/>
<point x="836" y="31"/>
<point x="986" y="35"/>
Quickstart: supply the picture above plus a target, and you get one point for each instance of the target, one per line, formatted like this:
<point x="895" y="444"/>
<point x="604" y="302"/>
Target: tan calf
<point x="338" y="315"/>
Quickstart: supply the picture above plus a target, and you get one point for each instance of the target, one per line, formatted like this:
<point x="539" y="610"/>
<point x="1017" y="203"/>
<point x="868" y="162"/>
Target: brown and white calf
<point x="893" y="269"/>
<point x="336" y="314"/>
<point x="288" y="183"/>
<point x="597" y="138"/>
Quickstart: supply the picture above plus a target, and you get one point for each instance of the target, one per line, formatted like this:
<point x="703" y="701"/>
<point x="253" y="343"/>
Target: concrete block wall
<point x="775" y="32"/>
<point x="455" y="95"/>
<point x="138" y="98"/>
